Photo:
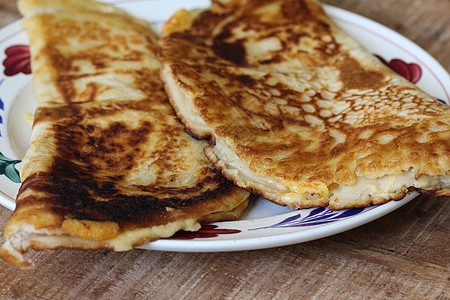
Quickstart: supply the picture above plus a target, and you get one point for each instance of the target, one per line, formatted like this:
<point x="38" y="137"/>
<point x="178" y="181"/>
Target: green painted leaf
<point x="12" y="173"/>
<point x="7" y="167"/>
<point x="3" y="158"/>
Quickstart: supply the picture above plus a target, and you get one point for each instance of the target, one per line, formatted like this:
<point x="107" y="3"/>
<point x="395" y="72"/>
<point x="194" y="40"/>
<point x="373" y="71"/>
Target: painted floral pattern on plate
<point x="17" y="60"/>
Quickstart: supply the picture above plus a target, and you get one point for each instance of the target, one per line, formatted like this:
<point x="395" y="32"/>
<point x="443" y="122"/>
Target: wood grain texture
<point x="426" y="23"/>
<point x="402" y="255"/>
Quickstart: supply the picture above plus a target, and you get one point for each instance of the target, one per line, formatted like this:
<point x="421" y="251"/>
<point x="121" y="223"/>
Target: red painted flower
<point x="411" y="72"/>
<point x="207" y="231"/>
<point x="17" y="60"/>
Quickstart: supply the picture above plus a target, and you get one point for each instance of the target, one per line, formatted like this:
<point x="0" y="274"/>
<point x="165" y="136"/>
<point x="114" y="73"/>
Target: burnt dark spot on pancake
<point x="222" y="36"/>
<point x="91" y="91"/>
<point x="75" y="112"/>
<point x="145" y="81"/>
<point x="246" y="80"/>
<point x="230" y="50"/>
<point x="89" y="179"/>
<point x="69" y="77"/>
<point x="99" y="64"/>
<point x="234" y="51"/>
<point x="91" y="141"/>
<point x="101" y="148"/>
<point x="90" y="128"/>
<point x="272" y="60"/>
<point x="206" y="17"/>
<point x="73" y="192"/>
<point x="354" y="76"/>
<point x="324" y="25"/>
<point x="295" y="9"/>
<point x="44" y="114"/>
<point x="58" y="60"/>
<point x="67" y="90"/>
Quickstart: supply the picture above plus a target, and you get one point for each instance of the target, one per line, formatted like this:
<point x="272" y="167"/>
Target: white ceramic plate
<point x="263" y="224"/>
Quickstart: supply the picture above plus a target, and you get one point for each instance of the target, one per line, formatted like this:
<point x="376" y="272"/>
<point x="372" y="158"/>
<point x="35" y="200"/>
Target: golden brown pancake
<point x="109" y="165"/>
<point x="298" y="111"/>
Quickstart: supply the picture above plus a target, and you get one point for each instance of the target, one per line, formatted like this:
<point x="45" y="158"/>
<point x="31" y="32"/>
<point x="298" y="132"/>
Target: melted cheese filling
<point x="365" y="190"/>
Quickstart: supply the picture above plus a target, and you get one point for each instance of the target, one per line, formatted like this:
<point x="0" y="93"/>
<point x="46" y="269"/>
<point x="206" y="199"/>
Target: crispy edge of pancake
<point x="22" y="235"/>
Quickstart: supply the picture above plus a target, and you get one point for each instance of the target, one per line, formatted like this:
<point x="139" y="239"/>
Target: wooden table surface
<point x="402" y="255"/>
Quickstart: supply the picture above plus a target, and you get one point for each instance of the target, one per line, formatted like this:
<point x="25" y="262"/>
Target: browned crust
<point x="361" y="121"/>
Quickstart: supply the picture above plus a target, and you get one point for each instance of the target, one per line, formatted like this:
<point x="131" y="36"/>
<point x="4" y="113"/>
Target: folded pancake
<point x="298" y="111"/>
<point x="109" y="165"/>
